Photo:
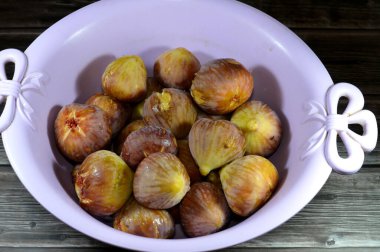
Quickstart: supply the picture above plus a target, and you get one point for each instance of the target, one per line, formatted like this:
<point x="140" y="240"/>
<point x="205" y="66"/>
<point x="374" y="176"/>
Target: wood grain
<point x="344" y="215"/>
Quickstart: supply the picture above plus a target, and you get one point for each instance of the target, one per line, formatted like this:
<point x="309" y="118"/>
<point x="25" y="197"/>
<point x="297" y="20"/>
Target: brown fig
<point x="145" y="141"/>
<point x="203" y="210"/>
<point x="124" y="133"/>
<point x="172" y="109"/>
<point x="221" y="86"/>
<point x="248" y="182"/>
<point x="188" y="161"/>
<point x="81" y="130"/>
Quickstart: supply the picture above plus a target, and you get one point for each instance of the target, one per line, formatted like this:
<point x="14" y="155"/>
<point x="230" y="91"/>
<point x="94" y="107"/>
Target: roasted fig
<point x="214" y="143"/>
<point x="221" y="86"/>
<point x="188" y="161"/>
<point x="248" y="182"/>
<point x="175" y="68"/>
<point x="136" y="219"/>
<point x="160" y="181"/>
<point x="81" y="130"/>
<point x="125" y="79"/>
<point x="115" y="110"/>
<point x="145" y="141"/>
<point x="122" y="136"/>
<point x="103" y="183"/>
<point x="172" y="109"/>
<point x="203" y="210"/>
<point x="261" y="127"/>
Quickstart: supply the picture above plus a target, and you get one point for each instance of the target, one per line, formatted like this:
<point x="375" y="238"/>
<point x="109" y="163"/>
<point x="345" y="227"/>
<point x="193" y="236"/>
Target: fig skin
<point x="214" y="178"/>
<point x="81" y="130"/>
<point x="203" y="210"/>
<point x="118" y="112"/>
<point x="103" y="183"/>
<point x="221" y="85"/>
<point x="124" y="133"/>
<point x="136" y="219"/>
<point x="261" y="127"/>
<point x="248" y="183"/>
<point x="172" y="109"/>
<point x="125" y="79"/>
<point x="160" y="181"/>
<point x="214" y="143"/>
<point x="145" y="141"/>
<point x="188" y="161"/>
<point x="176" y="68"/>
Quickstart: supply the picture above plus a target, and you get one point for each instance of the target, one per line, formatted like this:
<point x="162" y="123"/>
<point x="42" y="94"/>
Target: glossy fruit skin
<point x="176" y="68"/>
<point x="172" y="109"/>
<point x="203" y="210"/>
<point x="261" y="127"/>
<point x="214" y="143"/>
<point x="136" y="219"/>
<point x="146" y="141"/>
<point x="248" y="183"/>
<point x="125" y="79"/>
<point x="103" y="183"/>
<point x="221" y="85"/>
<point x="124" y="133"/>
<point x="188" y="161"/>
<point x="160" y="181"/>
<point x="81" y="130"/>
<point x="115" y="110"/>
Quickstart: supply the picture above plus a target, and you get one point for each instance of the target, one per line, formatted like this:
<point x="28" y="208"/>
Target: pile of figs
<point x="184" y="146"/>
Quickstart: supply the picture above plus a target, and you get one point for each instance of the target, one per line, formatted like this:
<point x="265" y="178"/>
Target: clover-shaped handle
<point x="334" y="124"/>
<point x="12" y="91"/>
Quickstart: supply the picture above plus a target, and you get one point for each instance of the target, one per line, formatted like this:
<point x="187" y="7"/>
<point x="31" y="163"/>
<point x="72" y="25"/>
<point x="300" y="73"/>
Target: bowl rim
<point x="225" y="238"/>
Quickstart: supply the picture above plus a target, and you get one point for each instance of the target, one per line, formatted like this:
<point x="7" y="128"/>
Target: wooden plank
<point x="294" y="14"/>
<point x="335" y="218"/>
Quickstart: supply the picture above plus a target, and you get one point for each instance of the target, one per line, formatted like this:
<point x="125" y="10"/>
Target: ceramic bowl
<point x="65" y="64"/>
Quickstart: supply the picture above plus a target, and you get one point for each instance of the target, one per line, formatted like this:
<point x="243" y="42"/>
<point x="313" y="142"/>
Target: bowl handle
<point x="335" y="124"/>
<point x="12" y="91"/>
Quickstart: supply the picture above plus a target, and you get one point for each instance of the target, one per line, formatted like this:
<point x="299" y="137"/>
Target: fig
<point x="124" y="133"/>
<point x="103" y="183"/>
<point x="201" y="114"/>
<point x="125" y="79"/>
<point x="248" y="182"/>
<point x="160" y="181"/>
<point x="136" y="219"/>
<point x="152" y="86"/>
<point x="172" y="109"/>
<point x="261" y="127"/>
<point x="115" y="110"/>
<point x="203" y="210"/>
<point x="214" y="143"/>
<point x="175" y="68"/>
<point x="214" y="178"/>
<point x="145" y="141"/>
<point x="221" y="86"/>
<point x="81" y="130"/>
<point x="188" y="161"/>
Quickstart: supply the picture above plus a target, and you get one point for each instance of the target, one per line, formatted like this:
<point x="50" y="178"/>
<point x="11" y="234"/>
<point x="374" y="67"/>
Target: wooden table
<point x="344" y="215"/>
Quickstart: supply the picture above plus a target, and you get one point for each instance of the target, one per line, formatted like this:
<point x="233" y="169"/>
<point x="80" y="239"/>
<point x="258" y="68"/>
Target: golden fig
<point x="161" y="181"/>
<point x="115" y="110"/>
<point x="248" y="182"/>
<point x="203" y="210"/>
<point x="188" y="161"/>
<point x="172" y="109"/>
<point x="81" y="130"/>
<point x="176" y="68"/>
<point x="214" y="143"/>
<point x="261" y="127"/>
<point x="145" y="141"/>
<point x="122" y="136"/>
<point x="125" y="79"/>
<point x="103" y="183"/>
<point x="221" y="86"/>
<point x="136" y="219"/>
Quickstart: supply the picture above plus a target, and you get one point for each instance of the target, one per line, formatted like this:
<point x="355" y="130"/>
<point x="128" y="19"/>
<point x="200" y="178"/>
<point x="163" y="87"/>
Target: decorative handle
<point x="11" y="91"/>
<point x="334" y="124"/>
